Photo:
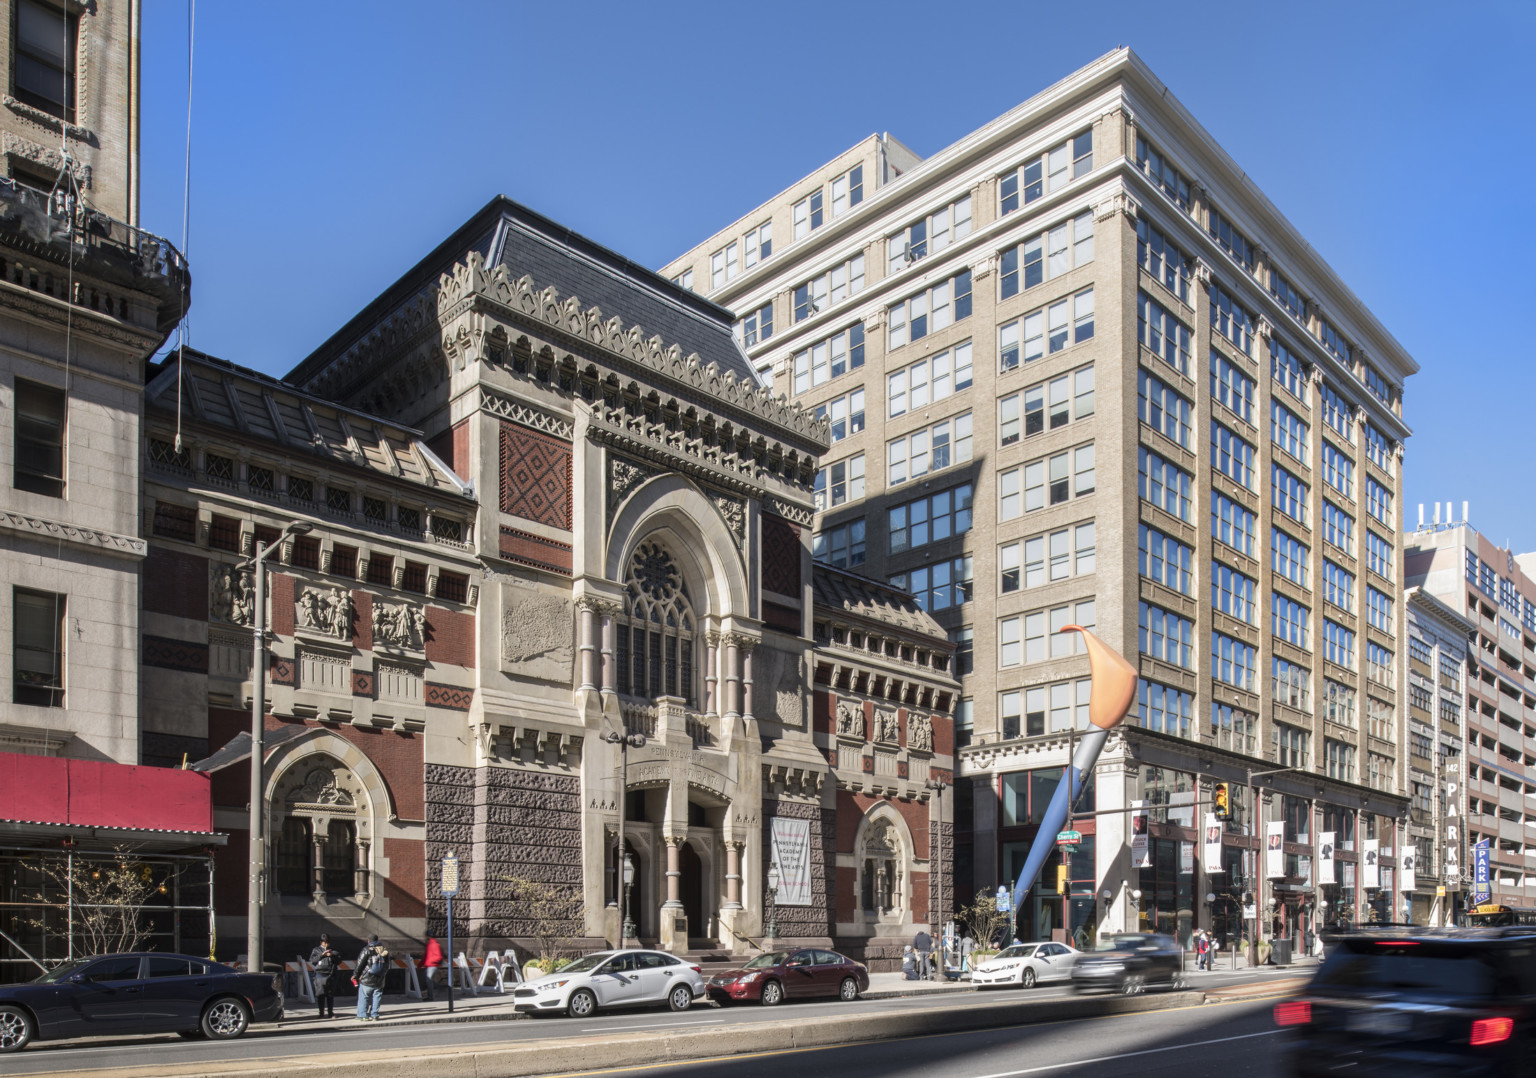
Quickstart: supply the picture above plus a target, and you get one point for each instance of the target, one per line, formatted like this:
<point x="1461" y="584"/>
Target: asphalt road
<point x="298" y="1038"/>
<point x="1233" y="1040"/>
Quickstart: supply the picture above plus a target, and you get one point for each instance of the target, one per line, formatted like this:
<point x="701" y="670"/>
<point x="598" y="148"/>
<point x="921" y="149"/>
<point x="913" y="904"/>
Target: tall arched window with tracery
<point x="657" y="635"/>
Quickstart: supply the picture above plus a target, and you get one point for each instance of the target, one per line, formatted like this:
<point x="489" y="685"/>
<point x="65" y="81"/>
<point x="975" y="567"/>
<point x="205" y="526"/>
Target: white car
<point x="1026" y="964"/>
<point x="613" y="979"/>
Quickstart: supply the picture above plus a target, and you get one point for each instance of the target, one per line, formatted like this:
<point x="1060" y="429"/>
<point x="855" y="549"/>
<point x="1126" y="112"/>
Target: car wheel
<point x="680" y="998"/>
<point x="772" y="994"/>
<point x="1027" y="978"/>
<point x="1178" y="982"/>
<point x="1133" y="985"/>
<point x="581" y="1004"/>
<point x="225" y="1019"/>
<point x="15" y="1029"/>
<point x="848" y="991"/>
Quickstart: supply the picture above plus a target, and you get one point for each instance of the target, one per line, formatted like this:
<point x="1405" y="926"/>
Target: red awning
<point x="93" y="793"/>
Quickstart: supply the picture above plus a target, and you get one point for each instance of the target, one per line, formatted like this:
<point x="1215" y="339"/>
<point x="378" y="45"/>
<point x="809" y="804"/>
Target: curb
<point x="620" y="1050"/>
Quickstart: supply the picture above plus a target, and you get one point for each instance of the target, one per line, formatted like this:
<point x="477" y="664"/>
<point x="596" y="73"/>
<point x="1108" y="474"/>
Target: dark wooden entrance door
<point x="692" y="889"/>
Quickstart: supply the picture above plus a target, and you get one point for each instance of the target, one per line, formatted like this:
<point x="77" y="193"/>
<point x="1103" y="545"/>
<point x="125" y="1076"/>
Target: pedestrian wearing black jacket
<point x="327" y="963"/>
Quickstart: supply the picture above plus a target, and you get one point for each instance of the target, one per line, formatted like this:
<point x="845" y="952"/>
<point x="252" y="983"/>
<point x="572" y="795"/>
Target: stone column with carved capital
<point x="360" y="872"/>
<point x="587" y="620"/>
<point x="732" y="644"/>
<point x="711" y="674"/>
<point x="747" y="648"/>
<point x="319" y="867"/>
<point x="733" y="849"/>
<point x="674" y="925"/>
<point x="610" y="682"/>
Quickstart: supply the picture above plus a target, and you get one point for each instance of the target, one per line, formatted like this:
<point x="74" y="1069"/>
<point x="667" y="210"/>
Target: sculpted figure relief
<point x="850" y="719"/>
<point x="328" y="612"/>
<point x="231" y="596"/>
<point x="399" y="625"/>
<point x="885" y="726"/>
<point x="920" y="733"/>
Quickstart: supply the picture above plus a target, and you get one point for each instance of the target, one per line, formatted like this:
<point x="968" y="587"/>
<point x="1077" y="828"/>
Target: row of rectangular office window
<point x="1041" y="559"/>
<point x="1500" y="589"/>
<point x="810" y="212"/>
<point x="1037" y="635"/>
<point x="1039" y="258"/>
<point x="1051" y="480"/>
<point x="939" y="586"/>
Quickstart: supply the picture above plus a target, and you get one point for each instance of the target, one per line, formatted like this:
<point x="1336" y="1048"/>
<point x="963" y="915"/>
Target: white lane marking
<point x="1128" y="1055"/>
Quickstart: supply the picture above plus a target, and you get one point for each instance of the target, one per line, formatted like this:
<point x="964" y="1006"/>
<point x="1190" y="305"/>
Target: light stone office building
<point x="1078" y="369"/>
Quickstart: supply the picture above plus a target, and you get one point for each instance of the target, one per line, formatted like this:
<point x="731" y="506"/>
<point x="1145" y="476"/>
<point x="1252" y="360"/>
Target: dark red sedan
<point x="775" y="976"/>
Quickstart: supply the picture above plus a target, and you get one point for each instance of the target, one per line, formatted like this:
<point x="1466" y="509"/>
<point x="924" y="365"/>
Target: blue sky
<point x="333" y="144"/>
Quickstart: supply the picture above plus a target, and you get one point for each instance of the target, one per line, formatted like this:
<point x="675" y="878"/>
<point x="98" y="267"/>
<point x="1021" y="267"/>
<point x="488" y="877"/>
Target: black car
<point x="137" y="993"/>
<point x="1400" y="1001"/>
<point x="1129" y="963"/>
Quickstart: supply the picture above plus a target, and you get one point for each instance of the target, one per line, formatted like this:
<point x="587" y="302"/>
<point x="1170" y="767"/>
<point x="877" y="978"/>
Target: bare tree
<point x="108" y="896"/>
<point x="547" y="913"/>
<point x="984" y="920"/>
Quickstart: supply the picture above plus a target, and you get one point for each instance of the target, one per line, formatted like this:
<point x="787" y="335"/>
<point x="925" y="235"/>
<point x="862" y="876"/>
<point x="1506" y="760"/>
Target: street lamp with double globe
<point x="625" y="742"/>
<point x="773" y="900"/>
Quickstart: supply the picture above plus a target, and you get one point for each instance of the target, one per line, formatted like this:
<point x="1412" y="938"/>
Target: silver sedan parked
<point x="613" y="979"/>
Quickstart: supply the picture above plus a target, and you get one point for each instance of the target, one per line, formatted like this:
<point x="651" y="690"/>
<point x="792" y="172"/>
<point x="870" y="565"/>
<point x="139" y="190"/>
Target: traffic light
<point x="1061" y="879"/>
<point x="1223" y="802"/>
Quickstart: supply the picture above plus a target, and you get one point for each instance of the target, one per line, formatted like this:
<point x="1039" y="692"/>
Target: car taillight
<point x="1296" y="1012"/>
<point x="697" y="969"/>
<point x="1492" y="1030"/>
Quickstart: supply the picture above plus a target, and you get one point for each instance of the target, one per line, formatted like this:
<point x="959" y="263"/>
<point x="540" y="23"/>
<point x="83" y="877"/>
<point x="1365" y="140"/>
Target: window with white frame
<point x="1339" y="760"/>
<point x="1232" y="320"/>
<point x="1378" y="609"/>
<point x="1065" y="322"/>
<point x="1338" y="528"/>
<point x="1333" y="341"/>
<point x="1288" y="494"/>
<point x="1376" y="384"/>
<point x="1165" y="559"/>
<point x="1037" y="635"/>
<point x="847" y="190"/>
<point x="684" y="279"/>
<point x="1165" y="485"/>
<point x="928" y="380"/>
<point x="1040" y="559"/>
<point x="1339" y="586"/>
<point x="1045" y="172"/>
<point x="1293" y="746"/>
<point x="1289" y="620"/>
<point x="1288" y="430"/>
<point x="939" y="586"/>
<point x="1232" y="456"/>
<point x="1378" y="448"/>
<point x="1338" y="470"/>
<point x="1339" y="699"/>
<point x="1170" y="180"/>
<point x="1379" y="558"/>
<point x="1039" y="258"/>
<point x="1165" y="635"/>
<point x="1233" y="729"/>
<point x="1378" y="717"/>
<point x="1024" y="713"/>
<point x="757" y="326"/>
<point x="809" y="214"/>
<point x="1286" y="369"/>
<point x="1378" y="663"/>
<point x="1233" y="661"/>
<point x="758" y="244"/>
<point x="846" y="413"/>
<point x="1158" y="330"/>
<point x="842" y="546"/>
<point x="928" y="450"/>
<point x="1378" y="502"/>
<point x="1287" y="556"/>
<point x="1338" y="413"/>
<point x="930" y="235"/>
<point x="1163" y="708"/>
<point x="1233" y="524"/>
<point x="724" y="264"/>
<point x="835" y="285"/>
<point x="1045" y="406"/>
<point x="1233" y="241"/>
<point x="1235" y="594"/>
<point x="1232" y="387"/>
<point x="1289" y="298"/>
<point x="1164" y="261"/>
<point x="1060" y="478"/>
<point x="1338" y="644"/>
<point x="1161" y="408"/>
<point x="930" y="310"/>
<point x="840" y="482"/>
<point x="1291" y="684"/>
<point x="929" y="519"/>
<point x="824" y="360"/>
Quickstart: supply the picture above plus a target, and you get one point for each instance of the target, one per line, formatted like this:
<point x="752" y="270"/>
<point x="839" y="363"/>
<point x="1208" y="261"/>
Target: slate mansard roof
<point x="528" y="243"/>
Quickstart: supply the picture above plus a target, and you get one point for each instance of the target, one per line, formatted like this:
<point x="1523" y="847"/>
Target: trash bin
<point x="1280" y="951"/>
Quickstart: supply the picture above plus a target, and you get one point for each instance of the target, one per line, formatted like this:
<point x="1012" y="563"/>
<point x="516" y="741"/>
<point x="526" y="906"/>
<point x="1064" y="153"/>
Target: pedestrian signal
<point x="1223" y="801"/>
<point x="1061" y="879"/>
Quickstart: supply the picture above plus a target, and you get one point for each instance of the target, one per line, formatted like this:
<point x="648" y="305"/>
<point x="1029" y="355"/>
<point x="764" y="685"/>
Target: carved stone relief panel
<point x="885" y="726"/>
<point x="850" y="719"/>
<point x="325" y="611"/>
<point x="231" y="595"/>
<point x="537" y="634"/>
<point x="624" y="476"/>
<point x="920" y="733"/>
<point x="399" y="625"/>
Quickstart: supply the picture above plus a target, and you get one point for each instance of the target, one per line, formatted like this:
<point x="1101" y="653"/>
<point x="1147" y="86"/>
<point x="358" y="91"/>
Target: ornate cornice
<point x="56" y="529"/>
<point x="529" y="416"/>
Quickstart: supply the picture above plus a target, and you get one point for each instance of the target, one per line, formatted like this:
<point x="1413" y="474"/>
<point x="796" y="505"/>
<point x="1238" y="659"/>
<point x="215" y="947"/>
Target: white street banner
<point x="1141" y="853"/>
<point x="1409" y="867"/>
<point x="1325" y="857"/>
<point x="1370" y="871"/>
<point x="1186" y="858"/>
<point x="1452" y="847"/>
<point x="1212" y="855"/>
<point x="792" y="851"/>
<point x="1274" y="849"/>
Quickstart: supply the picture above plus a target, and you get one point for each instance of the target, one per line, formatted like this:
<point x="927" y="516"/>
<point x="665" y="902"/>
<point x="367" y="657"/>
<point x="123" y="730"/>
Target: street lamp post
<point x="255" y="894"/>
<point x="773" y="904"/>
<point x="624" y="742"/>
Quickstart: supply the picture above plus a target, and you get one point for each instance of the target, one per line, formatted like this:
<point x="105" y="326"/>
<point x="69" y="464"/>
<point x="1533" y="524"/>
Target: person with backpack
<point x="326" y="961"/>
<point x="372" y="965"/>
<point x="1202" y="950"/>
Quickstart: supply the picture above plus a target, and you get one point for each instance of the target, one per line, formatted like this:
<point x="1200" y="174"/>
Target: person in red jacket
<point x="430" y="960"/>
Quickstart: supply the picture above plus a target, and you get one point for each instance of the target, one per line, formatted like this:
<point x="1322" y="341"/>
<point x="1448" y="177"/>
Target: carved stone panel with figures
<point x="537" y="634"/>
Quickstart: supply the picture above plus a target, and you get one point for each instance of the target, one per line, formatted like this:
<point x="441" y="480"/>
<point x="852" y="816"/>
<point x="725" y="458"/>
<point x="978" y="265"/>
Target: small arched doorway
<point x="691" y="889"/>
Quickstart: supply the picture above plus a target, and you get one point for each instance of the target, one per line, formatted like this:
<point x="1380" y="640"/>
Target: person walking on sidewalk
<point x="372" y="966"/>
<point x="1202" y="950"/>
<point x="327" y="962"/>
<point x="431" y="958"/>
<point x="922" y="943"/>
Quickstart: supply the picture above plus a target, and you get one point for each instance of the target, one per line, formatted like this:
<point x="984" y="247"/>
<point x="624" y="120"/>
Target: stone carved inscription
<point x="536" y="635"/>
<point x="231" y="595"/>
<point x="885" y="726"/>
<point x="328" y="612"/>
<point x="399" y="625"/>
<point x="920" y="733"/>
<point x="850" y="719"/>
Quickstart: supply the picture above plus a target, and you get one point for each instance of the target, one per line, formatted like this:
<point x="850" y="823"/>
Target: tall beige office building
<point x="1080" y="370"/>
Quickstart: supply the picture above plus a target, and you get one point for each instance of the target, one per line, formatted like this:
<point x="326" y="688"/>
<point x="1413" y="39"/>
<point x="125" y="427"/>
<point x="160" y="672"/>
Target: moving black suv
<point x="1129" y="963"/>
<point x="1400" y="1001"/>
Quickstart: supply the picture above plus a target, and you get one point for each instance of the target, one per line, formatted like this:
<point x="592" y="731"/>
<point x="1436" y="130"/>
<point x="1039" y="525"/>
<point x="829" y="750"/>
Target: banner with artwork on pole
<point x="1141" y="853"/>
<point x="1370" y="871"/>
<point x="1325" y="846"/>
<point x="1408" y="868"/>
<point x="1274" y="849"/>
<point x="1212" y="854"/>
